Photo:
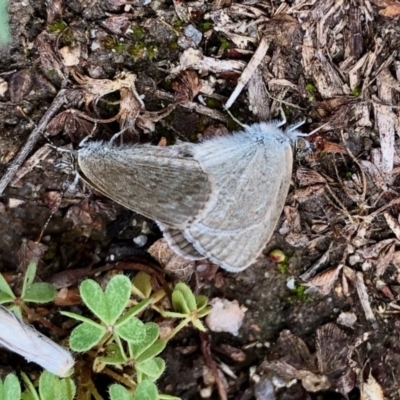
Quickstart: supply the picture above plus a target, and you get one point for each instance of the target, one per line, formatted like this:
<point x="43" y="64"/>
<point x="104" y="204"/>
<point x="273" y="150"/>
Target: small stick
<point x="352" y="156"/>
<point x="193" y="106"/>
<point x="34" y="137"/>
<point x="205" y="349"/>
<point x="249" y="71"/>
<point x="364" y="300"/>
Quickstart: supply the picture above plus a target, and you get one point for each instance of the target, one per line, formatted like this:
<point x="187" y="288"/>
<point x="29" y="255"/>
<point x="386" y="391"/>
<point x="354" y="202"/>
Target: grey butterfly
<point x="220" y="199"/>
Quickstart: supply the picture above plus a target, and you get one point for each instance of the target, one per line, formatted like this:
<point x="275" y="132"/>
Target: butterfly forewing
<point x="164" y="184"/>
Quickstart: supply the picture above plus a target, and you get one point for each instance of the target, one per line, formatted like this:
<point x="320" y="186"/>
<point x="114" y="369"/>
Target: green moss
<point x="109" y="42"/>
<point x="178" y="24"/>
<point x="225" y="44"/>
<point x="152" y="51"/>
<point x="138" y="32"/>
<point x="288" y="112"/>
<point x="356" y="92"/>
<point x="213" y="103"/>
<point x="283" y="268"/>
<point x="206" y="26"/>
<point x="57" y="26"/>
<point x="299" y="293"/>
<point x="142" y="49"/>
<point x="112" y="43"/>
<point x="137" y="50"/>
<point x="67" y="37"/>
<point x="119" y="48"/>
<point x="310" y="88"/>
<point x="173" y="46"/>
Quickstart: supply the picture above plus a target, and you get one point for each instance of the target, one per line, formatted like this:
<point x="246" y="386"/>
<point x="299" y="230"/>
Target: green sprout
<point x="57" y="26"/>
<point x="188" y="307"/>
<point x="299" y="292"/>
<point x="311" y="89"/>
<point x="112" y="43"/>
<point x="38" y="292"/>
<point x="280" y="258"/>
<point x="116" y="335"/>
<point x="356" y="92"/>
<point x="138" y="32"/>
<point x="225" y="44"/>
<point x="10" y="388"/>
<point x="49" y="387"/>
<point x="146" y="390"/>
<point x="206" y="26"/>
<point x="108" y="306"/>
<point x="122" y="338"/>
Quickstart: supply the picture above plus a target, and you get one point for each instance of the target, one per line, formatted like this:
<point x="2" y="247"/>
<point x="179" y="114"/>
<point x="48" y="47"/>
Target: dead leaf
<point x="206" y="271"/>
<point x="187" y="86"/>
<point x="393" y="224"/>
<point x="384" y="260"/>
<point x="85" y="217"/>
<point x="283" y="29"/>
<point x="327" y="368"/>
<point x="68" y="297"/>
<point x="94" y="89"/>
<point x="117" y="24"/>
<point x="371" y="390"/>
<point x="391" y="7"/>
<point x="50" y="61"/>
<point x="332" y="348"/>
<point x="236" y="354"/>
<point x="391" y="11"/>
<point x="162" y="142"/>
<point x="307" y="177"/>
<point x="375" y="174"/>
<point x="215" y="130"/>
<point x="53" y="200"/>
<point x="30" y="252"/>
<point x="298" y="363"/>
<point x="20" y="85"/>
<point x="70" y="55"/>
<point x="172" y="263"/>
<point x="308" y="193"/>
<point x="324" y="281"/>
<point x="72" y="123"/>
<point x="331" y="147"/>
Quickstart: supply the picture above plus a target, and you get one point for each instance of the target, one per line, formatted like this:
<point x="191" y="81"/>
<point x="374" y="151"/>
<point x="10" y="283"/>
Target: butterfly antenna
<point x="316" y="130"/>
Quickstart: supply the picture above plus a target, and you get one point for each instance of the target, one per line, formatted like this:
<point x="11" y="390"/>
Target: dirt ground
<point x="70" y="70"/>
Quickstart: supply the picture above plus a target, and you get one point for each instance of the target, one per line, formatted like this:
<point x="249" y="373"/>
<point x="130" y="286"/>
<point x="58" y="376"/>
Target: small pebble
<point x="140" y="240"/>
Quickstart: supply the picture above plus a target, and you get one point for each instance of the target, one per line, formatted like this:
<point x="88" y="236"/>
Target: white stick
<point x="22" y="339"/>
<point x="249" y="71"/>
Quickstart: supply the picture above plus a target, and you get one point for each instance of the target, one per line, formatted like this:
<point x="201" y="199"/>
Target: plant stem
<point x="181" y="325"/>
